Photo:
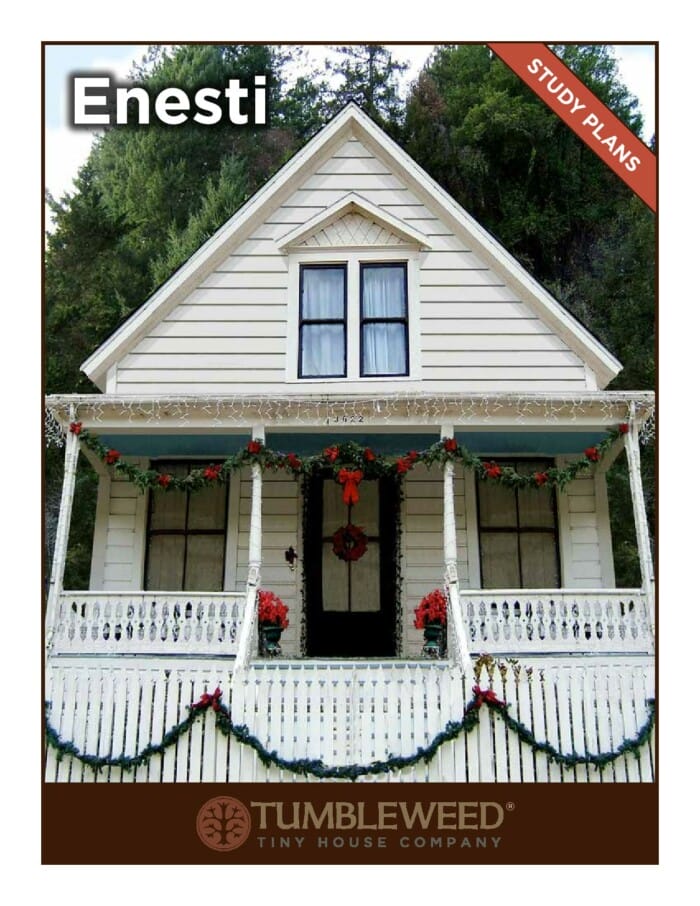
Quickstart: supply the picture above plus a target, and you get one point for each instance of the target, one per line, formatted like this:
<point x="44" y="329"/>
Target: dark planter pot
<point x="270" y="635"/>
<point x="434" y="640"/>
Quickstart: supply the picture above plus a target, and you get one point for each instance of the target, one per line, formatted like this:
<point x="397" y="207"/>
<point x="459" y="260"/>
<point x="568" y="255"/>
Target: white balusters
<point x="556" y="621"/>
<point x="147" y="623"/>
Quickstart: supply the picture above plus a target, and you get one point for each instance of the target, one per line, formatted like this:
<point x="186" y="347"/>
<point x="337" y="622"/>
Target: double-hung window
<point x="383" y="320"/>
<point x="323" y="321"/>
<point x="186" y="536"/>
<point x="353" y="319"/>
<point x="518" y="532"/>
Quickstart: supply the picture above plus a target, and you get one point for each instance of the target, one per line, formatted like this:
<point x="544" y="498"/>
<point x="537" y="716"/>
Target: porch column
<point x="646" y="563"/>
<point x="60" y="550"/>
<point x="248" y="626"/>
<point x="450" y="550"/>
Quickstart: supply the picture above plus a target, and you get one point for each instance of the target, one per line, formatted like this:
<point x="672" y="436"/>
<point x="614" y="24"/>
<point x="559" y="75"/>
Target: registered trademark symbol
<point x="510" y="806"/>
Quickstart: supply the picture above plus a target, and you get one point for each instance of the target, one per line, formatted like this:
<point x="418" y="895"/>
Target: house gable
<point x="226" y="322"/>
<point x="350" y="222"/>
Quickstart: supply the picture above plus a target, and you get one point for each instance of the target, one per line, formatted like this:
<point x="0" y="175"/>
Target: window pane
<point x="323" y="350"/>
<point x="168" y="510"/>
<point x="335" y="581"/>
<point x="364" y="581"/>
<point x="165" y="561"/>
<point x="538" y="560"/>
<point x="499" y="560"/>
<point x="384" y="349"/>
<point x="335" y="512"/>
<point x="323" y="295"/>
<point x="536" y="508"/>
<point x="208" y="508"/>
<point x="496" y="506"/>
<point x="365" y="512"/>
<point x="204" y="570"/>
<point x="536" y="504"/>
<point x="383" y="292"/>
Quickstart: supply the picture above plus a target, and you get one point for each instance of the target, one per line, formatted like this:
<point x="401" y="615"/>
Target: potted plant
<point x="272" y="619"/>
<point x="431" y="617"/>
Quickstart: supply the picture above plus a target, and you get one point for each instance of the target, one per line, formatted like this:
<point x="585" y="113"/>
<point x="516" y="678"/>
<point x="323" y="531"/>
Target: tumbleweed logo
<point x="223" y="823"/>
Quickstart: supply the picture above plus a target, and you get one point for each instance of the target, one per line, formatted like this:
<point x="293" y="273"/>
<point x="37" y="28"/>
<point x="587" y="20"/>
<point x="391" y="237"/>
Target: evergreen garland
<point x="341" y="457"/>
<point x="317" y="768"/>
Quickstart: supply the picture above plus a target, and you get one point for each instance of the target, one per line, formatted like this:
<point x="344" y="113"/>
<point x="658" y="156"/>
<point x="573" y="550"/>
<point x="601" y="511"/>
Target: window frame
<point x="303" y="322"/>
<point x="518" y="530"/>
<point x="352" y="258"/>
<point x="373" y="265"/>
<point x="189" y="464"/>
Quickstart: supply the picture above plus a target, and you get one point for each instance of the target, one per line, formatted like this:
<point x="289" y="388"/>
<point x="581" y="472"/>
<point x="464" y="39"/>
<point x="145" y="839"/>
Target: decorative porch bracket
<point x="58" y="567"/>
<point x="248" y="635"/>
<point x="646" y="562"/>
<point x="461" y="654"/>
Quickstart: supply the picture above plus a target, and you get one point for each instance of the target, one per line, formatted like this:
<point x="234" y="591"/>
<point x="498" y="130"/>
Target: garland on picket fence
<point x="350" y="463"/>
<point x="316" y="766"/>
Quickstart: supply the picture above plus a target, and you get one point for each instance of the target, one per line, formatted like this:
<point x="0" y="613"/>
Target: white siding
<point x="230" y="333"/>
<point x="585" y="543"/>
<point x="281" y="513"/>
<point x="117" y="563"/>
<point x="423" y="557"/>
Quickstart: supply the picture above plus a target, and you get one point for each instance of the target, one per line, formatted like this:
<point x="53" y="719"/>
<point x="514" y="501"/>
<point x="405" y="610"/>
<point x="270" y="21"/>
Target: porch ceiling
<point x="495" y="442"/>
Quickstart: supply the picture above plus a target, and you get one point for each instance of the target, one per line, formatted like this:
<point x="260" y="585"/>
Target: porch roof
<point x="372" y="412"/>
<point x="497" y="442"/>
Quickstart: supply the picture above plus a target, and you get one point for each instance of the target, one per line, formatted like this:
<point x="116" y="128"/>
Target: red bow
<point x="207" y="700"/>
<point x="486" y="695"/>
<point x="350" y="481"/>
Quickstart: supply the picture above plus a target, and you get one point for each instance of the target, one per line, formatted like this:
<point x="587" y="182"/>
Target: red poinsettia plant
<point x="432" y="609"/>
<point x="272" y="611"/>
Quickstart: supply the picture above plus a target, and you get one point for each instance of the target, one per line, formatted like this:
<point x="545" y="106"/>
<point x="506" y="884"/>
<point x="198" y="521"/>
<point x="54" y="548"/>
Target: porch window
<point x="322" y="321"/>
<point x="518" y="532"/>
<point x="383" y="320"/>
<point x="186" y="537"/>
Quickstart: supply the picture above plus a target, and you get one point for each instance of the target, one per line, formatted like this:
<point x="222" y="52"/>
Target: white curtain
<point x="383" y="296"/>
<point x="323" y="345"/>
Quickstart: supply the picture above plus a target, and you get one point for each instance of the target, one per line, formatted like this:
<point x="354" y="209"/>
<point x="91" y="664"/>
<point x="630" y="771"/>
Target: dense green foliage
<point x="147" y="198"/>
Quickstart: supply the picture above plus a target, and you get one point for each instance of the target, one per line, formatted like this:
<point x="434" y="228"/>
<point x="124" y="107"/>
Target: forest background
<point x="146" y="199"/>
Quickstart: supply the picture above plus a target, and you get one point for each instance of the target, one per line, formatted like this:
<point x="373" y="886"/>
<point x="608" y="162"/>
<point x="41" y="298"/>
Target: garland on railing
<point x="316" y="766"/>
<point x="350" y="463"/>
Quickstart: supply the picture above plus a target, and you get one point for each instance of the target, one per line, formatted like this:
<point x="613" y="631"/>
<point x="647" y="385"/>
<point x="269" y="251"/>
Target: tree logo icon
<point x="223" y="823"/>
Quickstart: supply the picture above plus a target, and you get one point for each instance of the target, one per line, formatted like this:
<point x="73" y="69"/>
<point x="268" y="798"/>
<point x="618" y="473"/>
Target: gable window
<point x="186" y="537"/>
<point x="518" y="532"/>
<point x="383" y="320"/>
<point x="322" y="320"/>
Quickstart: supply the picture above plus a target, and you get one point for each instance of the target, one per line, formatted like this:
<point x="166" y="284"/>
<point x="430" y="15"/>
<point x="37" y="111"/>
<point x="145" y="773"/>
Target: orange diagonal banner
<point x="589" y="118"/>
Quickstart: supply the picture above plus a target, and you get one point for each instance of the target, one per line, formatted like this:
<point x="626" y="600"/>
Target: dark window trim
<point x="517" y="529"/>
<point x="304" y="321"/>
<point x="186" y="532"/>
<point x="364" y="320"/>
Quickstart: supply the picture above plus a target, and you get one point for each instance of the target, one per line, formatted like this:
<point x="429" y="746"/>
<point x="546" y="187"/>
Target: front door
<point x="351" y="604"/>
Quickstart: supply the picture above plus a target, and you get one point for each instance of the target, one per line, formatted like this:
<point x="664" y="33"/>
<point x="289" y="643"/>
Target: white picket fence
<point x="347" y="713"/>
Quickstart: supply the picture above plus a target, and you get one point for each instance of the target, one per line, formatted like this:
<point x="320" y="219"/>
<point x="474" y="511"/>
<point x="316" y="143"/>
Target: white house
<point x="351" y="301"/>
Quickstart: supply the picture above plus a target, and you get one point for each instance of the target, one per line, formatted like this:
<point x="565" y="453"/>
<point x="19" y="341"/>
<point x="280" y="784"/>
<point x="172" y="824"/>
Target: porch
<point x="572" y="664"/>
<point x="447" y="529"/>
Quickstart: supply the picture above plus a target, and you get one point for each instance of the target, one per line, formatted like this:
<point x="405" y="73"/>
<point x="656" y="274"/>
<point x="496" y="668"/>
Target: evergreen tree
<point x="369" y="76"/>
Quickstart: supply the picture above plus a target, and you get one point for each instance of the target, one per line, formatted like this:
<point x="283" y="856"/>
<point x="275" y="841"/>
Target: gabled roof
<point x="351" y="121"/>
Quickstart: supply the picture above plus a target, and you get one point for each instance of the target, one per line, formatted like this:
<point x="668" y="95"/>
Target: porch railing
<point x="147" y="623"/>
<point x="557" y="621"/>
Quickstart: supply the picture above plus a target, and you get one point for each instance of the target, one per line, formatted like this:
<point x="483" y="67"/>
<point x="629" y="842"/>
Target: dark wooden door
<point x="350" y="606"/>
